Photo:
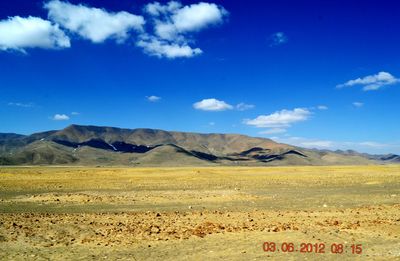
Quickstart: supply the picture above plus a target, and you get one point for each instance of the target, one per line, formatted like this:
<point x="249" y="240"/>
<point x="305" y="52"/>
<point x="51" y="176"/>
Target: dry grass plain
<point x="221" y="213"/>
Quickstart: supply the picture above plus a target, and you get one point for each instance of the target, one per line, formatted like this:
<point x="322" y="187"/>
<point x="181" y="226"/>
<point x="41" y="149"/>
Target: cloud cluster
<point x="168" y="34"/>
<point x="174" y="24"/>
<point x="18" y="33"/>
<point x="173" y="20"/>
<point x="372" y="82"/>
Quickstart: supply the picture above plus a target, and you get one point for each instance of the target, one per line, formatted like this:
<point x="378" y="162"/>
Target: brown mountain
<point x="93" y="145"/>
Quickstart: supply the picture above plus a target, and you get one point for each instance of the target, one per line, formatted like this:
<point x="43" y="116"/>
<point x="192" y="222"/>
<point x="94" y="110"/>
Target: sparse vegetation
<point x="200" y="213"/>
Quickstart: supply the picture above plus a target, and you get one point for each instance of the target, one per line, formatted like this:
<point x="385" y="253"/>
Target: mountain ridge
<point x="102" y="145"/>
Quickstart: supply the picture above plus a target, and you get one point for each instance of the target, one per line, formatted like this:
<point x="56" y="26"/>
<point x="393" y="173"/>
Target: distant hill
<point x="93" y="145"/>
<point x="390" y="158"/>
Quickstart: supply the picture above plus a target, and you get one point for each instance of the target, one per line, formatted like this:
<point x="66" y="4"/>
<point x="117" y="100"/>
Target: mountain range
<point x="108" y="146"/>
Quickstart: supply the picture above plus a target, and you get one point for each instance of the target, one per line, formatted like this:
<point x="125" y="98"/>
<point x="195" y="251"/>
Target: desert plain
<point x="199" y="213"/>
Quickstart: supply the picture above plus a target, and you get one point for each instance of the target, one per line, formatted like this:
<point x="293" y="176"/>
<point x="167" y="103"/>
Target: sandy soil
<point x="198" y="214"/>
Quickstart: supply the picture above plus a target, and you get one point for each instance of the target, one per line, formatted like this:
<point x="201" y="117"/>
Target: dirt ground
<point x="224" y="213"/>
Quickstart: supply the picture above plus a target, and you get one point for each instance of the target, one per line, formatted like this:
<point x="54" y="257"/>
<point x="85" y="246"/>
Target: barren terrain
<point x="219" y="213"/>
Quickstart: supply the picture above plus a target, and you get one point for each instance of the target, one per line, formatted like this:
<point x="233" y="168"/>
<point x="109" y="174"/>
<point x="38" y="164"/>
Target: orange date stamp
<point x="317" y="248"/>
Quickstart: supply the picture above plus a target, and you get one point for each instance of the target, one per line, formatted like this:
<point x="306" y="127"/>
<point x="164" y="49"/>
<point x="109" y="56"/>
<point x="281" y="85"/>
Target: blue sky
<point x="321" y="74"/>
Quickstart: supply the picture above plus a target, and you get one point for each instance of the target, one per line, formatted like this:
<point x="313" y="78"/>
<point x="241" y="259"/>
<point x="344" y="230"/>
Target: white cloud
<point x="74" y="113"/>
<point x="21" y="104"/>
<point x="18" y="33"/>
<point x="280" y="119"/>
<point x="358" y="104"/>
<point x="273" y="131"/>
<point x="244" y="107"/>
<point x="372" y="82"/>
<point x="153" y="98"/>
<point x="322" y="107"/>
<point x="172" y="19"/>
<point x="197" y="16"/>
<point x="278" y="38"/>
<point x="60" y="117"/>
<point x="174" y="25"/>
<point x="212" y="105"/>
<point x="92" y="23"/>
<point x="161" y="48"/>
